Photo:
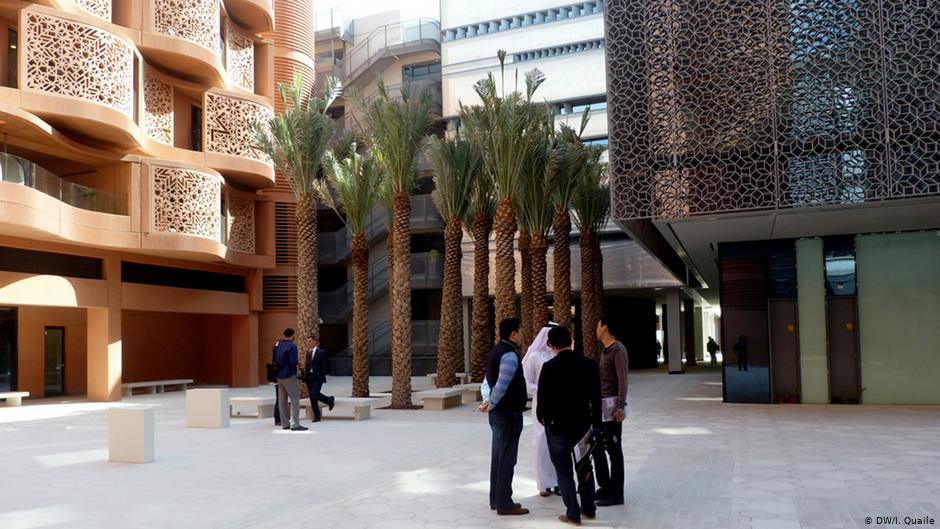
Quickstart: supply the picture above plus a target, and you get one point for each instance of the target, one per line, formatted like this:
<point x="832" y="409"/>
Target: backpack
<point x="272" y="366"/>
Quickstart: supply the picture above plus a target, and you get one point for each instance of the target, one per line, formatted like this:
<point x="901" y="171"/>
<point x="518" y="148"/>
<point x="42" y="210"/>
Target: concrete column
<point x="673" y="336"/>
<point x="688" y="331"/>
<point x="245" y="350"/>
<point x="103" y="340"/>
<point x="699" y="334"/>
<point x="811" y="302"/>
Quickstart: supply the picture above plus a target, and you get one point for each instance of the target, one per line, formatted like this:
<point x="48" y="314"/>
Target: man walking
<point x="285" y="356"/>
<point x="315" y="377"/>
<point x="613" y="372"/>
<point x="712" y="347"/>
<point x="569" y="407"/>
<point x="505" y="404"/>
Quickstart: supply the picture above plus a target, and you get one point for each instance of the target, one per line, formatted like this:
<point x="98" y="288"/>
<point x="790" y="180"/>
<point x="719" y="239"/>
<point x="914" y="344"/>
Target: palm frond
<point x="355" y="182"/>
<point x="591" y="197"/>
<point x="457" y="165"/>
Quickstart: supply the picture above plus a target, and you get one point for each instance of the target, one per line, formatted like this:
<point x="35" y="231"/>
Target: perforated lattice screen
<point x="751" y="104"/>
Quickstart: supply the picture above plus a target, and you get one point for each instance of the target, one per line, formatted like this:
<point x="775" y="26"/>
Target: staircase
<point x="425" y="335"/>
<point x="386" y="43"/>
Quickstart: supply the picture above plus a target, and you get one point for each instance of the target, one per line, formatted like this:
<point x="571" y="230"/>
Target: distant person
<point x="740" y="350"/>
<point x="505" y="403"/>
<point x="659" y="352"/>
<point x="288" y="389"/>
<point x="535" y="356"/>
<point x="712" y="347"/>
<point x="614" y="362"/>
<point x="315" y="377"/>
<point x="570" y="407"/>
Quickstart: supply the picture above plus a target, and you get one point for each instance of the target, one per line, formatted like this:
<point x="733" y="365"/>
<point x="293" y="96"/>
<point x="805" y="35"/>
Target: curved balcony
<point x="17" y="170"/>
<point x="228" y="142"/>
<point x="188" y="41"/>
<point x="256" y="15"/>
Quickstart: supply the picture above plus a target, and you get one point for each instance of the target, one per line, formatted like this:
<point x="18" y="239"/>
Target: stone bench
<point x="14" y="398"/>
<point x="462" y="378"/>
<point x="471" y="392"/>
<point x="207" y="408"/>
<point x="360" y="408"/>
<point x="264" y="405"/>
<point x="154" y="386"/>
<point x="131" y="434"/>
<point x="441" y="398"/>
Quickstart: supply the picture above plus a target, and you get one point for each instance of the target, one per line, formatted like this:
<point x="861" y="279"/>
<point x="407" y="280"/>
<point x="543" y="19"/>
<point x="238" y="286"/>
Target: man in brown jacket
<point x="613" y="371"/>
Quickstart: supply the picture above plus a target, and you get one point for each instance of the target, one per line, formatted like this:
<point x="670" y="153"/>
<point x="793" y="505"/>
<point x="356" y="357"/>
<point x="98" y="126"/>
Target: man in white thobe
<point x="537" y="354"/>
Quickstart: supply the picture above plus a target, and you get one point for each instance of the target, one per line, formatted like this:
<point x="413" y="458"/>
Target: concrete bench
<point x="264" y="405"/>
<point x="131" y="434"/>
<point x="441" y="398"/>
<point x="471" y="392"/>
<point x="462" y="378"/>
<point x="154" y="386"/>
<point x="14" y="398"/>
<point x="207" y="408"/>
<point x="357" y="409"/>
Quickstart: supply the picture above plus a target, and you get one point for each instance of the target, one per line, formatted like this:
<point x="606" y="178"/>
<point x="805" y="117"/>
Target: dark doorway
<point x="845" y="380"/>
<point x="784" y="350"/>
<point x="7" y="349"/>
<point x="54" y="345"/>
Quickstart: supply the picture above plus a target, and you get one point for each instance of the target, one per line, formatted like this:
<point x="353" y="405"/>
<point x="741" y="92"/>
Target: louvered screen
<point x="280" y="292"/>
<point x="58" y="264"/>
<point x="285" y="234"/>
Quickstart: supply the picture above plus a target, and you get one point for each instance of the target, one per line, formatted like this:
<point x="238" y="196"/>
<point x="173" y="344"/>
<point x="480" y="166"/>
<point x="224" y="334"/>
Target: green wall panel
<point x="811" y="298"/>
<point x="899" y="317"/>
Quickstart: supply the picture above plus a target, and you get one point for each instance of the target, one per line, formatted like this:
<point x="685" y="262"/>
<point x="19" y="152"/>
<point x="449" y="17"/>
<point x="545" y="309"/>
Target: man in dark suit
<point x="315" y="377"/>
<point x="569" y="398"/>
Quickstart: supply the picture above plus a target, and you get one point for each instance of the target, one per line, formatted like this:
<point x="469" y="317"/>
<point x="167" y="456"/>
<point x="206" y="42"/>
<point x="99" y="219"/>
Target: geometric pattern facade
<point x="186" y="201"/>
<point x="99" y="8"/>
<point x="227" y="126"/>
<point x="158" y="109"/>
<point x="240" y="58"/>
<point x="760" y="104"/>
<point x="241" y="224"/>
<point x="73" y="59"/>
<point x="197" y="21"/>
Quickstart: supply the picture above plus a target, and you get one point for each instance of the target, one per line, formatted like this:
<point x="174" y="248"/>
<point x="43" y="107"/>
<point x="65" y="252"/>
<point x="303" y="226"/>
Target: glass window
<point x="840" y="265"/>
<point x="10" y="79"/>
<point x="411" y="72"/>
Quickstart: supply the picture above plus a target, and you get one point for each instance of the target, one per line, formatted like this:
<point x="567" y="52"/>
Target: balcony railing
<point x="16" y="170"/>
<point x="186" y="201"/>
<point x="199" y="22"/>
<point x="391" y="39"/>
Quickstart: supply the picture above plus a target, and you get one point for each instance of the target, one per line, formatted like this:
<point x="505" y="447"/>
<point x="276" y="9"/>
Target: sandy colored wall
<point x="31" y="325"/>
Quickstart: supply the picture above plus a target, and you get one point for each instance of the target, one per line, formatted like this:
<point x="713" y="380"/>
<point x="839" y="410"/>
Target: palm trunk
<point x="561" y="266"/>
<point x="526" y="285"/>
<point x="360" y="323"/>
<point x="401" y="300"/>
<point x="482" y="335"/>
<point x="308" y="321"/>
<point x="591" y="291"/>
<point x="505" y="228"/>
<point x="450" y="346"/>
<point x="538" y="250"/>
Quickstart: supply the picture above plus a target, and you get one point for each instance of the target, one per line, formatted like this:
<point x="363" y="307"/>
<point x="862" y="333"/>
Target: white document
<point x="609" y="406"/>
<point x="584" y="446"/>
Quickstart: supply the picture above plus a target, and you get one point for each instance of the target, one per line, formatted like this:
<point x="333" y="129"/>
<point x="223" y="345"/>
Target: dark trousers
<point x="313" y="388"/>
<point x="561" y="445"/>
<point x="610" y="478"/>
<point x="277" y="406"/>
<point x="742" y="361"/>
<point x="507" y="427"/>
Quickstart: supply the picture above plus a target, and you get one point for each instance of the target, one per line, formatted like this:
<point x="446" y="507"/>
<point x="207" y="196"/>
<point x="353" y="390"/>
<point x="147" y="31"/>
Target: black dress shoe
<point x="285" y="427"/>
<point x="277" y="423"/>
<point x="515" y="510"/>
<point x="299" y="429"/>
<point x="514" y="505"/>
<point x="332" y="403"/>
<point x="608" y="501"/>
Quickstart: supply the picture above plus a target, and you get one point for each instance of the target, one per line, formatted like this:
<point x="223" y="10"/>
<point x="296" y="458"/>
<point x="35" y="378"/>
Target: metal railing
<point x="17" y="170"/>
<point x="387" y="39"/>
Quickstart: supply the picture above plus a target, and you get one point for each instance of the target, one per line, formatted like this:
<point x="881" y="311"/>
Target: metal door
<point x="845" y="380"/>
<point x="784" y="350"/>
<point x="55" y="361"/>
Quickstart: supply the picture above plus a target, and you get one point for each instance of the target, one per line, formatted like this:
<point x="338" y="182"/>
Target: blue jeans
<point x="561" y="445"/>
<point x="507" y="427"/>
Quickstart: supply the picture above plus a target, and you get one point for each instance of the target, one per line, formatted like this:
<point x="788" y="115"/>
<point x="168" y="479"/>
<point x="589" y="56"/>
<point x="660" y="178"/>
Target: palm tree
<point x="355" y="181"/>
<point x="480" y="219"/>
<point x="396" y="131"/>
<point x="567" y="163"/>
<point x="534" y="203"/>
<point x="500" y="128"/>
<point x="591" y="201"/>
<point x="525" y="281"/>
<point x="457" y="164"/>
<point x="297" y="140"/>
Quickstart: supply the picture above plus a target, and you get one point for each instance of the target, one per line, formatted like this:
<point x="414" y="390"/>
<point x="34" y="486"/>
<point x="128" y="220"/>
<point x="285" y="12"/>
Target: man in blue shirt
<point x="505" y="403"/>
<point x="285" y="356"/>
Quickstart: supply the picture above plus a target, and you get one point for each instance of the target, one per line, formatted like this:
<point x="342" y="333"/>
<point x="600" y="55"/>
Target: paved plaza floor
<point x="692" y="463"/>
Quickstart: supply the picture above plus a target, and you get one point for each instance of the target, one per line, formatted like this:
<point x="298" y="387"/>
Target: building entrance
<point x="784" y="350"/>
<point x="7" y="349"/>
<point x="845" y="379"/>
<point x="54" y="345"/>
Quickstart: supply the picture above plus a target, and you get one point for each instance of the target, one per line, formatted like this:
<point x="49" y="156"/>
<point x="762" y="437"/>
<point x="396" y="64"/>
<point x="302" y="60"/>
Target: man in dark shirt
<point x="315" y="377"/>
<point x="613" y="369"/>
<point x="569" y="397"/>
<point x="285" y="356"/>
<point x="507" y="401"/>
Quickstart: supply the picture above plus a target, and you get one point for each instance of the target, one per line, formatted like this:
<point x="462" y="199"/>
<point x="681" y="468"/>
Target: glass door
<point x="55" y="361"/>
<point x="7" y="349"/>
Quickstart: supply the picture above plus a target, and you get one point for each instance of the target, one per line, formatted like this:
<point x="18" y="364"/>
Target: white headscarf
<point x="540" y="344"/>
<point x="537" y="354"/>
